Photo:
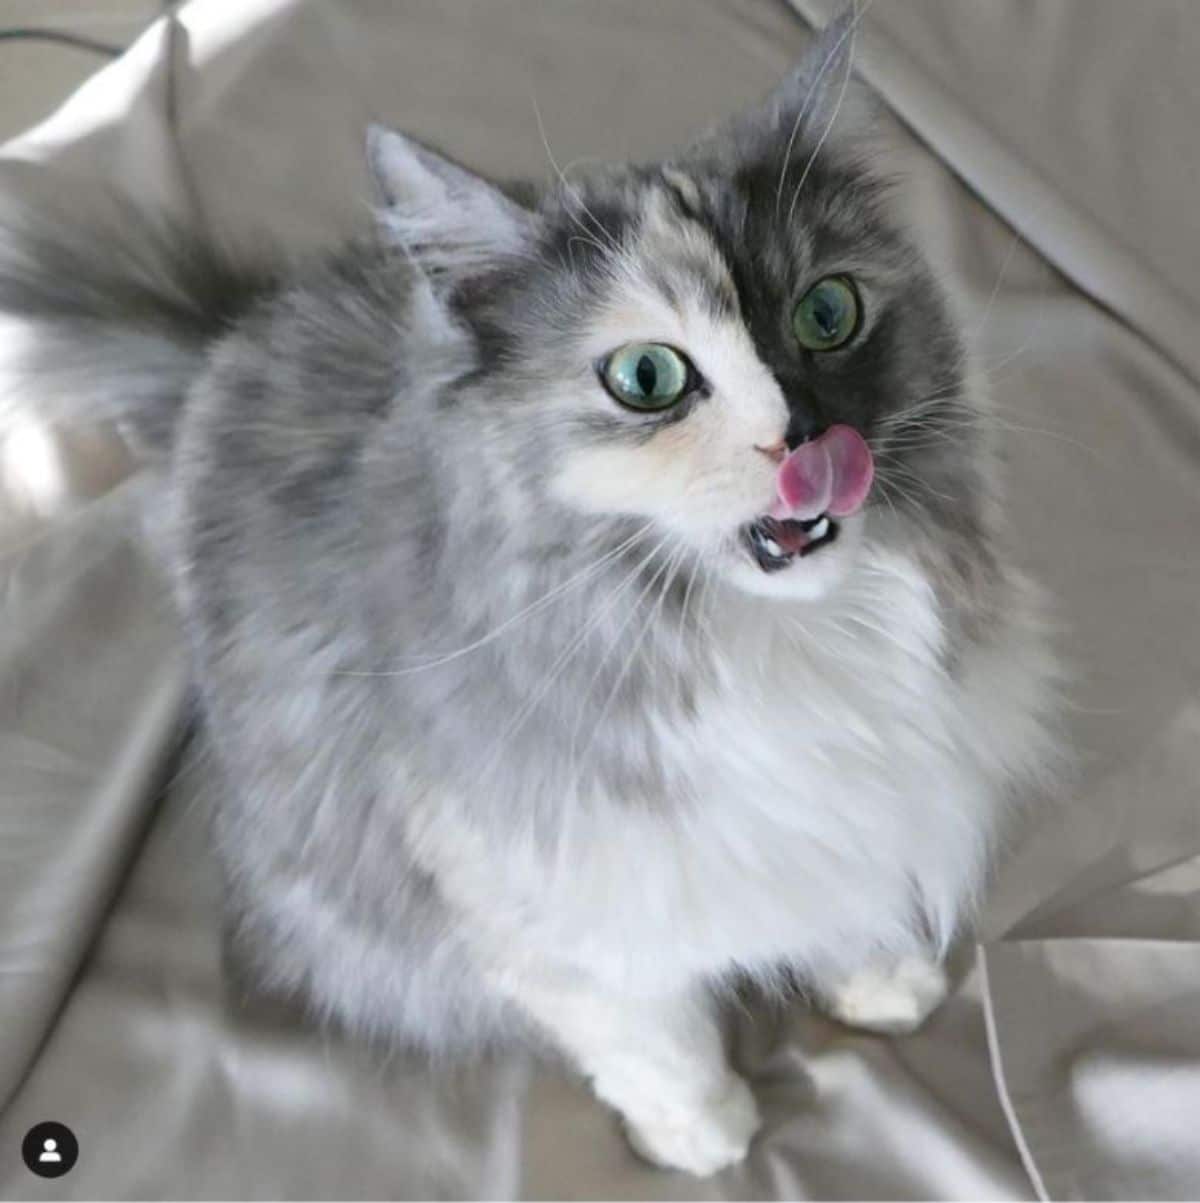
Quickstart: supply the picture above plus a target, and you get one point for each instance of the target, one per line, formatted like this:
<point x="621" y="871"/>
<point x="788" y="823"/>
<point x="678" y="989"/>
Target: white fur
<point x="658" y="1060"/>
<point x="893" y="999"/>
<point x="846" y="793"/>
<point x="703" y="476"/>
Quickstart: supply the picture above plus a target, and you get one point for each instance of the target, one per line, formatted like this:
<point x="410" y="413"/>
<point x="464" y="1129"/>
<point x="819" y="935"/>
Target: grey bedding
<point x="1053" y="154"/>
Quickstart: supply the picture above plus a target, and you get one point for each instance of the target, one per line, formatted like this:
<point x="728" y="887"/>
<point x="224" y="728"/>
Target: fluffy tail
<point x="109" y="316"/>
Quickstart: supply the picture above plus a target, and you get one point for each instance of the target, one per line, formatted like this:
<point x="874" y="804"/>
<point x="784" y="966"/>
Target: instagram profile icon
<point x="50" y="1149"/>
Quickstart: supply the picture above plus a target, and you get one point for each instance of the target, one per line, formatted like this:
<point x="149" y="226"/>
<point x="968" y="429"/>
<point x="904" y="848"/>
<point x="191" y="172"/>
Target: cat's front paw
<point x="893" y="1001"/>
<point x="698" y="1137"/>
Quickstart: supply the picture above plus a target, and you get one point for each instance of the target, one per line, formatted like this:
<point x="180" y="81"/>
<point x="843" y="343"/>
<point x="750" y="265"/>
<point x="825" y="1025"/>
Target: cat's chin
<point x="809" y="577"/>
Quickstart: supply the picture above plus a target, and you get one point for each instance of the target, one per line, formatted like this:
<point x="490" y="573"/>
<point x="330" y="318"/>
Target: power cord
<point x="62" y="38"/>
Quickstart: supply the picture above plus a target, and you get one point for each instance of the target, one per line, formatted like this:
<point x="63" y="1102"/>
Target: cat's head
<point x="726" y="346"/>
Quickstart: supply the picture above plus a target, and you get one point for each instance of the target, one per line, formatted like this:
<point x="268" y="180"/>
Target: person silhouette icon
<point x="50" y="1149"/>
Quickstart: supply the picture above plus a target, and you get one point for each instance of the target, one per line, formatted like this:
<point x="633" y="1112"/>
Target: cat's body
<point x="508" y="728"/>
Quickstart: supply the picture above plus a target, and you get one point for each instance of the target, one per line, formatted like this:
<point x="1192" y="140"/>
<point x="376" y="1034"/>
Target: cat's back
<point x="315" y="396"/>
<point x="270" y="479"/>
<point x="291" y="394"/>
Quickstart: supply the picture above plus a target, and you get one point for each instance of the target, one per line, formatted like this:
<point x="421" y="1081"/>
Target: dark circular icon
<point x="50" y="1149"/>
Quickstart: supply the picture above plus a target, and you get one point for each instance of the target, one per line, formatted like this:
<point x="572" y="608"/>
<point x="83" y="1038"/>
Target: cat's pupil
<point x="647" y="375"/>
<point x="826" y="316"/>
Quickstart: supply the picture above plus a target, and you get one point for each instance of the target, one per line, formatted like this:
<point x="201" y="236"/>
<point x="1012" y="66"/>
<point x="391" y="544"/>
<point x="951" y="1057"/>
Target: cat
<point x="596" y="593"/>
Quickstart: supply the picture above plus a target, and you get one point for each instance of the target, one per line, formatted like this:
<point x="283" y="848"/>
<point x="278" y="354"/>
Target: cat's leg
<point x="660" y="1062"/>
<point x="894" y="998"/>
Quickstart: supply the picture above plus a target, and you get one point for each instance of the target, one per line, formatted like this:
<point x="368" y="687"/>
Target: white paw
<point x="895" y="1001"/>
<point x="701" y="1137"/>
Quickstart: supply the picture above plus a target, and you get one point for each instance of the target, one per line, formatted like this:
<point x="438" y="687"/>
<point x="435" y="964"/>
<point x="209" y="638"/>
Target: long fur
<point x="508" y="731"/>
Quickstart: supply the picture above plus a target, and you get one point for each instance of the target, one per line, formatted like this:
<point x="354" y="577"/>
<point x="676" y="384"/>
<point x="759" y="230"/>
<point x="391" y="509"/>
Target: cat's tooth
<point x="772" y="548"/>
<point x="820" y="530"/>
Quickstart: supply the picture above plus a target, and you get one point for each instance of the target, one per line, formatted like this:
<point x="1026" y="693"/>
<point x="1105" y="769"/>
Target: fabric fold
<point x="1093" y="239"/>
<point x="1097" y="1052"/>
<point x="80" y="767"/>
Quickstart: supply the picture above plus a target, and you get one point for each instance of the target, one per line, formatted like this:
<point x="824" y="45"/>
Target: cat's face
<point x="657" y="340"/>
<point x="715" y="338"/>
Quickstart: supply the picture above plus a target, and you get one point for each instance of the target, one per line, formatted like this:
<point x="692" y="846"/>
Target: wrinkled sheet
<point x="1052" y="152"/>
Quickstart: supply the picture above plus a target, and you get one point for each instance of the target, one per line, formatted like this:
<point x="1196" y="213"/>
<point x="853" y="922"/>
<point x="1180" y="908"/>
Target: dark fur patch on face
<point x="905" y="348"/>
<point x="732" y="228"/>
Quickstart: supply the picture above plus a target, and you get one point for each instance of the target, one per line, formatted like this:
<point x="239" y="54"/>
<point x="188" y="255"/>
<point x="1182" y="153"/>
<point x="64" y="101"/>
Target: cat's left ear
<point x="446" y="216"/>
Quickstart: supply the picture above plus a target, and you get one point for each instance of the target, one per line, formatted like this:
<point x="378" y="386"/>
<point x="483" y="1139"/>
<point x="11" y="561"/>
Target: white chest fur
<point x="843" y="797"/>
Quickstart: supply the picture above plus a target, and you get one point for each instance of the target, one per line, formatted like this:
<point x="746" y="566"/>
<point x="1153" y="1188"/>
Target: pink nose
<point x="776" y="452"/>
<point x="830" y="474"/>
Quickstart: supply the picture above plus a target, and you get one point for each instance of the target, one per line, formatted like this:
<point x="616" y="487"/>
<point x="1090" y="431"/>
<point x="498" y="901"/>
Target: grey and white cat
<point x="595" y="593"/>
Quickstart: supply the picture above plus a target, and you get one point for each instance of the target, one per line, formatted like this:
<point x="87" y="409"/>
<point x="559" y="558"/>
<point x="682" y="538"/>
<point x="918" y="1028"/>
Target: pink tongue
<point x="831" y="474"/>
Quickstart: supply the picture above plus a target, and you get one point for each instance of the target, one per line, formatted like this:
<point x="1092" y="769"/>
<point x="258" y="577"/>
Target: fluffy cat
<point x="595" y="593"/>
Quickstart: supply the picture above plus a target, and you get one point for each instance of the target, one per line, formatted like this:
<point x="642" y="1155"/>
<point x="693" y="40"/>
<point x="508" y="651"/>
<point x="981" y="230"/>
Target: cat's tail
<point x="109" y="316"/>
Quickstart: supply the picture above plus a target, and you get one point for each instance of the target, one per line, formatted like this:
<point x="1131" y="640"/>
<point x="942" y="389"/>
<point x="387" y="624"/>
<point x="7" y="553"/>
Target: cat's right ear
<point x="444" y="214"/>
<point x="819" y="98"/>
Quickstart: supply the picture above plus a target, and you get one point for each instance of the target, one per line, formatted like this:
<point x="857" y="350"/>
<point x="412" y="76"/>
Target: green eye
<point x="647" y="376"/>
<point x="827" y="316"/>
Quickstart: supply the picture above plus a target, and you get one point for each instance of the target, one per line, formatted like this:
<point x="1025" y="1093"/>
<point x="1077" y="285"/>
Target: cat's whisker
<point x="910" y="421"/>
<point x="874" y="628"/>
<point x="612" y="646"/>
<point x="564" y="657"/>
<point x="697" y="562"/>
<point x="705" y="592"/>
<point x="915" y="487"/>
<point x="919" y="437"/>
<point x="885" y="494"/>
<point x="667" y="572"/>
<point x="903" y="453"/>
<point x="990" y="371"/>
<point x="886" y="484"/>
<point x="677" y="569"/>
<point x="931" y="423"/>
<point x="572" y="582"/>
<point x="947" y="406"/>
<point x="950" y="395"/>
<point x="934" y="417"/>
<point x="662" y="650"/>
<point x="1040" y="432"/>
<point x="977" y="330"/>
<point x="997" y="422"/>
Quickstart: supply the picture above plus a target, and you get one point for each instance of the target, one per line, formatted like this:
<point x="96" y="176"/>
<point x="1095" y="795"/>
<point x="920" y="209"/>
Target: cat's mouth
<point x="777" y="542"/>
<point x="819" y="480"/>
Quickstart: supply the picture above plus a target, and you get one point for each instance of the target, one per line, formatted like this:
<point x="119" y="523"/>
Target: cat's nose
<point x="776" y="451"/>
